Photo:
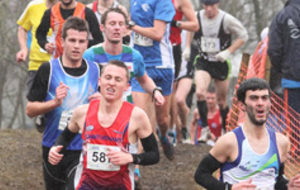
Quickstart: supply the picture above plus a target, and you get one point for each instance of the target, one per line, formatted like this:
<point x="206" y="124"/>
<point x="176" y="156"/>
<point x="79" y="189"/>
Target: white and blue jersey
<point x="132" y="59"/>
<point x="143" y="13"/>
<point x="81" y="87"/>
<point x="263" y="168"/>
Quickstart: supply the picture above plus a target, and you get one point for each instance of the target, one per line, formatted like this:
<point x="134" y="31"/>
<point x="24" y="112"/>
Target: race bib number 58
<point x="97" y="159"/>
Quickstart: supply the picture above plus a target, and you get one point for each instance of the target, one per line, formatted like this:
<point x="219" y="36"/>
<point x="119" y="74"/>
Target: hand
<point x="21" y="55"/>
<point x="159" y="98"/>
<point x="49" y="47"/>
<point x="119" y="157"/>
<point x="54" y="156"/>
<point x="223" y="55"/>
<point x="245" y="185"/>
<point x="186" y="54"/>
<point x="60" y="93"/>
<point x="294" y="183"/>
<point x="94" y="96"/>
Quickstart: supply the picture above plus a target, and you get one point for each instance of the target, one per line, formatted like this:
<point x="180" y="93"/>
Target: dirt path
<point x="21" y="164"/>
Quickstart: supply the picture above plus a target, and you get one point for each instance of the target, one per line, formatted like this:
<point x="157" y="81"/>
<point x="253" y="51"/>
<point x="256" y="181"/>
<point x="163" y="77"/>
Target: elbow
<point x="198" y="176"/>
<point x="196" y="27"/>
<point x="157" y="158"/>
<point x="29" y="113"/>
<point x="158" y="37"/>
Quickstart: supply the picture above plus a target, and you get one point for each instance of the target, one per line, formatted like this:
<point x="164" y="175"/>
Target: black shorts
<point x="217" y="70"/>
<point x="190" y="69"/>
<point x="62" y="175"/>
<point x="177" y="59"/>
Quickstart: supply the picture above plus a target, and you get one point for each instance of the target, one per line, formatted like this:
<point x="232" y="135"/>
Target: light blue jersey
<point x="81" y="87"/>
<point x="263" y="168"/>
<point x="143" y="13"/>
<point x="132" y="58"/>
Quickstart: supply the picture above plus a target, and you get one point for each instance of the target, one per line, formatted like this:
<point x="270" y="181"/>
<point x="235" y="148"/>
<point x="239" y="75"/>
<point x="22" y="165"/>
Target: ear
<point x="99" y="81"/>
<point x="242" y="106"/>
<point x="102" y="27"/>
<point x="127" y="86"/>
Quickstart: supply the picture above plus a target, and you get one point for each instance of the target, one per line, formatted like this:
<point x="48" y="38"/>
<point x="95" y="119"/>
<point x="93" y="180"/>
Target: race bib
<point x="97" y="159"/>
<point x="64" y="119"/>
<point x="142" y="40"/>
<point x="210" y="45"/>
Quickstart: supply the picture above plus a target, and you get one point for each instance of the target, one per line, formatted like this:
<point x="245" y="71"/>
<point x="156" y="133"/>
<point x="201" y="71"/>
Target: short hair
<point x="210" y="2"/>
<point x="115" y="10"/>
<point x="211" y="89"/>
<point x="252" y="84"/>
<point x="118" y="64"/>
<point x="75" y="23"/>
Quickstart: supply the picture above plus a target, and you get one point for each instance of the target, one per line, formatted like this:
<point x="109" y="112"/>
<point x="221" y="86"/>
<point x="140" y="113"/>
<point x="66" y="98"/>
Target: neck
<point x="257" y="131"/>
<point x="69" y="63"/>
<point x="71" y="6"/>
<point x="50" y="3"/>
<point x="212" y="109"/>
<point x="111" y="48"/>
<point x="110" y="107"/>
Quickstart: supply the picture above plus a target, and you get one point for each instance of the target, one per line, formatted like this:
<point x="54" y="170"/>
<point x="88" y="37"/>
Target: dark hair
<point x="210" y="2"/>
<point x="116" y="10"/>
<point x="251" y="84"/>
<point x="211" y="89"/>
<point x="75" y="23"/>
<point x="118" y="64"/>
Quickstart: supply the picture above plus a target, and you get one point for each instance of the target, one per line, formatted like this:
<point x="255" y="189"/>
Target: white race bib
<point x="97" y="159"/>
<point x="64" y="119"/>
<point x="210" y="45"/>
<point x="140" y="40"/>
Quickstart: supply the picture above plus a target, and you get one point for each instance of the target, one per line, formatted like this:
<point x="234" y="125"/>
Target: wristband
<point x="155" y="89"/>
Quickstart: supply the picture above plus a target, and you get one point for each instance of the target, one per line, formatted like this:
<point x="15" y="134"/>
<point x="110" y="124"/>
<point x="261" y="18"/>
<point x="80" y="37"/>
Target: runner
<point x="182" y="87"/>
<point x="214" y="119"/>
<point x="55" y="17"/>
<point x="111" y="128"/>
<point x="251" y="156"/>
<point x="212" y="61"/>
<point x="59" y="87"/>
<point x="150" y="33"/>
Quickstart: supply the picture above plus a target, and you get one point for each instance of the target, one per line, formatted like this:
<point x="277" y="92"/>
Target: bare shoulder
<point x="80" y="111"/>
<point x="225" y="148"/>
<point x="139" y="123"/>
<point x="138" y="113"/>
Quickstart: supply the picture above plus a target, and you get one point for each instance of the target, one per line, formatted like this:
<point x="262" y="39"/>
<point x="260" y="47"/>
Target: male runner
<point x="150" y="27"/>
<point x="55" y="17"/>
<point x="59" y="87"/>
<point x="251" y="156"/>
<point x="110" y="129"/>
<point x="214" y="50"/>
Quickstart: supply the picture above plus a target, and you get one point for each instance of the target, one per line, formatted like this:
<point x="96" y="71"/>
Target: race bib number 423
<point x="97" y="159"/>
<point x="210" y="45"/>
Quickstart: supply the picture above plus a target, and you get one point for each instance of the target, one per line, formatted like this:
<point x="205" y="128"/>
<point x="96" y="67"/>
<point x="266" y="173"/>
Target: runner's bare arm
<point x="156" y="32"/>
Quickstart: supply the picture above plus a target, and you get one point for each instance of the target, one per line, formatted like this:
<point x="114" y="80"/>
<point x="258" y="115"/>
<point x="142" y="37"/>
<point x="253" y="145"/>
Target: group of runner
<point x="91" y="139"/>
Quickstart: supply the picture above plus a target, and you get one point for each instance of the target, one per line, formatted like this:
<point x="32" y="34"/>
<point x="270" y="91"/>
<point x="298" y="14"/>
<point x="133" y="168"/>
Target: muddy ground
<point x="21" y="164"/>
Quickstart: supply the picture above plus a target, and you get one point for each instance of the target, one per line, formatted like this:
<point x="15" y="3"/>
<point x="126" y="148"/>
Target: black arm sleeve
<point x="203" y="175"/>
<point x="151" y="154"/>
<point x="94" y="27"/>
<point x="42" y="30"/>
<point x="38" y="91"/>
<point x="65" y="138"/>
<point x="281" y="182"/>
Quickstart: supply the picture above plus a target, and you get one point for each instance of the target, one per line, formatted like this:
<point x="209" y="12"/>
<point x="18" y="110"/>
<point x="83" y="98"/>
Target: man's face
<point x="74" y="45"/>
<point x="114" y="27"/>
<point x="113" y="82"/>
<point x="211" y="99"/>
<point x="211" y="10"/>
<point x="257" y="105"/>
